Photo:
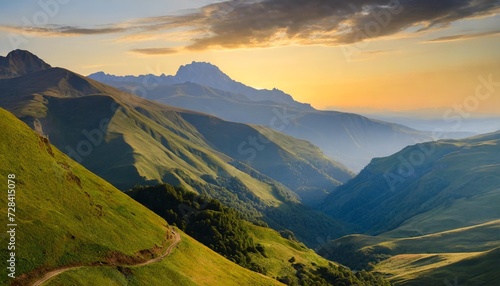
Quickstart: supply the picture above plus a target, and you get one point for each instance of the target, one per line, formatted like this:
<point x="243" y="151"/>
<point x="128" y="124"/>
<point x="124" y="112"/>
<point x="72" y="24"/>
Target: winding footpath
<point x="168" y="251"/>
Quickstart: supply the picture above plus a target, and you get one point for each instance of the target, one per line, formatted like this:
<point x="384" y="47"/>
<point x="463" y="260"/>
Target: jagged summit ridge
<point x="203" y="72"/>
<point x="209" y="75"/>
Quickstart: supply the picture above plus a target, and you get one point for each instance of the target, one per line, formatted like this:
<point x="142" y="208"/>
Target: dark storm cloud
<point x="259" y="23"/>
<point x="252" y="23"/>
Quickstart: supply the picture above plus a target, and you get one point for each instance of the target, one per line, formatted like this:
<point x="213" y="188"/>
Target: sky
<point x="372" y="56"/>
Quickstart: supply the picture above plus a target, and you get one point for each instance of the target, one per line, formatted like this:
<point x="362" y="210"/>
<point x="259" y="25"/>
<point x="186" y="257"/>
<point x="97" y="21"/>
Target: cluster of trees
<point x="306" y="223"/>
<point x="205" y="219"/>
<point x="225" y="231"/>
<point x="230" y="192"/>
<point x="330" y="275"/>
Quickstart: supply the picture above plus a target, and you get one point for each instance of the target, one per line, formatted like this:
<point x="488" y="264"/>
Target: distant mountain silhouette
<point x="351" y="139"/>
<point x="209" y="75"/>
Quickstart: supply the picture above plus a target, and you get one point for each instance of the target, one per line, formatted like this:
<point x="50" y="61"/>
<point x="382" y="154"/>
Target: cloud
<point x="331" y="22"/>
<point x="264" y="23"/>
<point x="69" y="30"/>
<point x="55" y="30"/>
<point x="462" y="37"/>
<point x="154" y="51"/>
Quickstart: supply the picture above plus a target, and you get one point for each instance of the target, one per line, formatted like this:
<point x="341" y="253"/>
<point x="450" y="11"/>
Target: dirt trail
<point x="54" y="273"/>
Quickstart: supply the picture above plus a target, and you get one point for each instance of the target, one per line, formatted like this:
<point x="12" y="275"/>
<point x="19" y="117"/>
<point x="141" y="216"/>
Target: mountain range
<point x="426" y="214"/>
<point x="205" y="74"/>
<point x="350" y="139"/>
<point x="76" y="228"/>
<point x="128" y="140"/>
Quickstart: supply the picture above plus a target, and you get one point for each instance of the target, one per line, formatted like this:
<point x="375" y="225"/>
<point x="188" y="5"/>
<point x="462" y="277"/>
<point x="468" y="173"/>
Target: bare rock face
<point x="19" y="63"/>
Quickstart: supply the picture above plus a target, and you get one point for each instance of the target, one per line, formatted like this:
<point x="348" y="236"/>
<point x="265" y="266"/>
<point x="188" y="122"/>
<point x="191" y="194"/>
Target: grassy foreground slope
<point x="65" y="214"/>
<point x="190" y="264"/>
<point x="68" y="216"/>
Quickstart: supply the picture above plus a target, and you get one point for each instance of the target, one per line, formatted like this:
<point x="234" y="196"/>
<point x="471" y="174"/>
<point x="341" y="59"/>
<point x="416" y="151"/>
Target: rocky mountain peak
<point x="19" y="63"/>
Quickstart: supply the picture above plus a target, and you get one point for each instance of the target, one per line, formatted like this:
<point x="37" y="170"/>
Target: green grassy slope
<point x="479" y="268"/>
<point x="65" y="214"/>
<point x="68" y="216"/>
<point x="425" y="188"/>
<point x="291" y="261"/>
<point x="417" y="258"/>
<point x="280" y="250"/>
<point x="434" y="207"/>
<point x="190" y="264"/>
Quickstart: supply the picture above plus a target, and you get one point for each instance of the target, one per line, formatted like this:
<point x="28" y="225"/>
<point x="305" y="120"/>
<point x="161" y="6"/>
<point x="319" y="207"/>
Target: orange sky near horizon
<point x="436" y="69"/>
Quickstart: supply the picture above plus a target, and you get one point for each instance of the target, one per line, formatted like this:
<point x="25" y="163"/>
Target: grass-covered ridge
<point x="65" y="214"/>
<point x="433" y="208"/>
<point x="424" y="188"/>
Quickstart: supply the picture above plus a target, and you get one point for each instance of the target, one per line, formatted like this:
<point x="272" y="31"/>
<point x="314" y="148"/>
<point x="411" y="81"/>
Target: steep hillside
<point x="351" y="139"/>
<point x="255" y="247"/>
<point x="190" y="264"/>
<point x="435" y="209"/>
<point x="129" y="140"/>
<point x="68" y="217"/>
<point x="299" y="165"/>
<point x="425" y="188"/>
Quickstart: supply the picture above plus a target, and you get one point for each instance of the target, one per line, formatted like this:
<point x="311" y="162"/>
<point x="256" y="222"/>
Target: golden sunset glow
<point x="393" y="65"/>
